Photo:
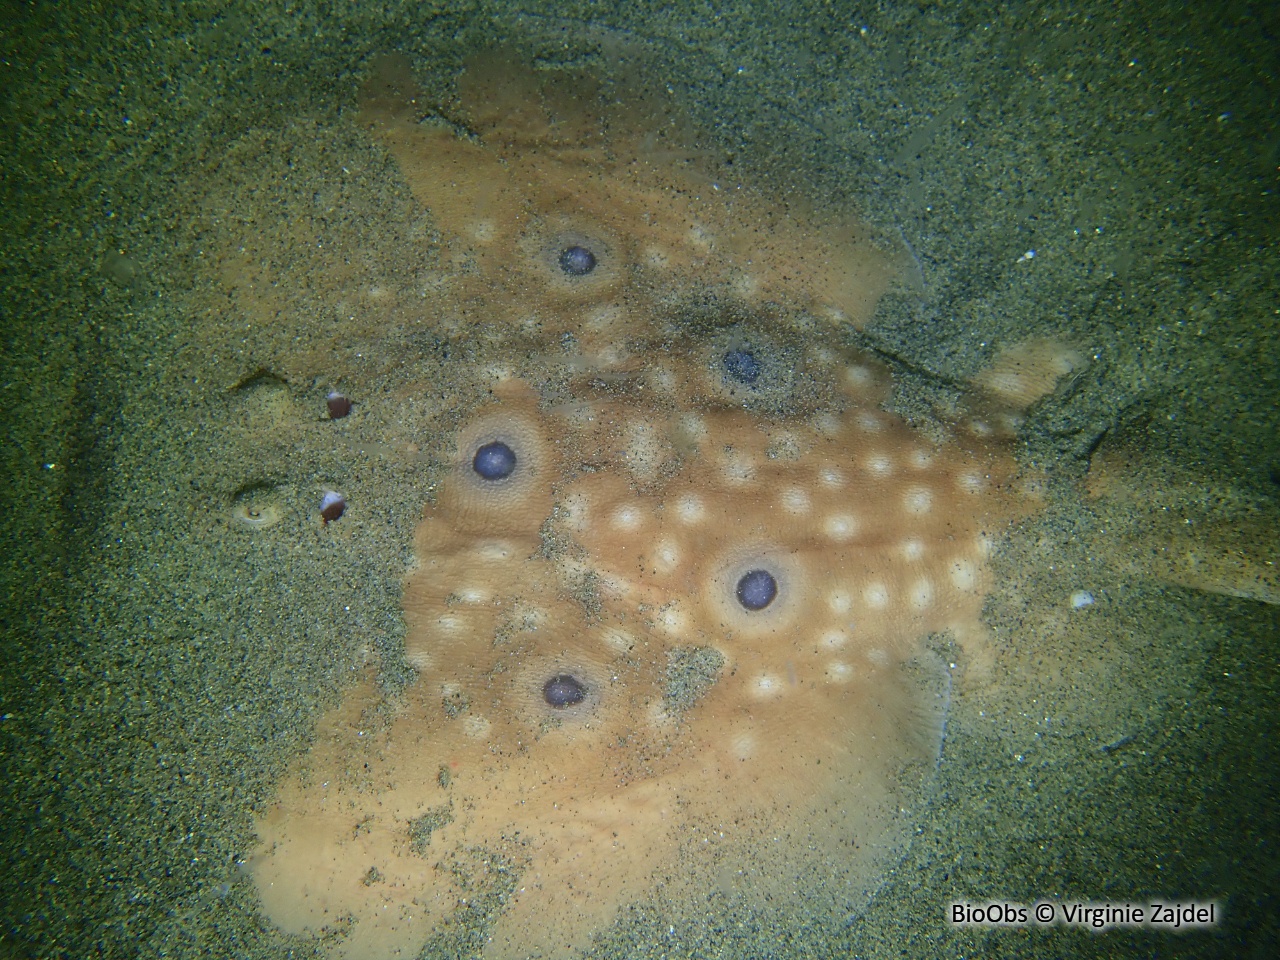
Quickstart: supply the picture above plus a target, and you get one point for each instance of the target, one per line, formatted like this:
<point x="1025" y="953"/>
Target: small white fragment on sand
<point x="1081" y="599"/>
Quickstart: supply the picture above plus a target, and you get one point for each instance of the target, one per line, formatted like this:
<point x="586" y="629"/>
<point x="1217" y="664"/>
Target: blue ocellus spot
<point x="757" y="589"/>
<point x="741" y="366"/>
<point x="494" y="461"/>
<point x="563" y="690"/>
<point x="577" y="261"/>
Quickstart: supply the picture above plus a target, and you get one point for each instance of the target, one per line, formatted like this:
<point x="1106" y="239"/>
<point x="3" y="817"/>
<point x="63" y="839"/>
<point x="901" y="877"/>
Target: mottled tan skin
<point x="648" y="481"/>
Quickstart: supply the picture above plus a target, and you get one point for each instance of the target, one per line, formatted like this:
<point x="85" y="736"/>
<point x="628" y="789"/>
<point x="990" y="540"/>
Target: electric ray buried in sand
<point x="677" y="601"/>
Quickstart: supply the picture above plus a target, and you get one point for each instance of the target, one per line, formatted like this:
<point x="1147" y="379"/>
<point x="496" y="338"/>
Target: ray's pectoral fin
<point x="1019" y="377"/>
<point x="512" y="107"/>
<point x="462" y="181"/>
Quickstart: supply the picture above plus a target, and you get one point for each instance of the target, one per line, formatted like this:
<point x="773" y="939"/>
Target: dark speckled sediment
<point x="176" y="613"/>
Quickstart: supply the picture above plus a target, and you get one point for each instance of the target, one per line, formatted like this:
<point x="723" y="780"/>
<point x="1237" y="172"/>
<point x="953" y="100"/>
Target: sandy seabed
<point x="203" y="241"/>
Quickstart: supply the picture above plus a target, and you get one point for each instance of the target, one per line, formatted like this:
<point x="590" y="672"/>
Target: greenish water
<point x="162" y="663"/>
